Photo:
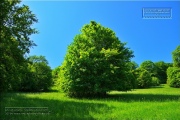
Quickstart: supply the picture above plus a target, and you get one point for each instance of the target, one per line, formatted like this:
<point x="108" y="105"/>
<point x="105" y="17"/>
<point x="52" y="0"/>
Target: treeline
<point x="150" y="73"/>
<point x="146" y="75"/>
<point x="18" y="72"/>
<point x="98" y="62"/>
<point x="95" y="63"/>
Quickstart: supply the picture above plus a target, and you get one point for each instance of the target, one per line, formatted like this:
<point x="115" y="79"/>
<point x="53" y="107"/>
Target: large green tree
<point x="15" y="29"/>
<point x="95" y="63"/>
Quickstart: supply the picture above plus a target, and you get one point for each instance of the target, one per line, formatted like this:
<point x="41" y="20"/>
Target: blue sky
<point x="150" y="39"/>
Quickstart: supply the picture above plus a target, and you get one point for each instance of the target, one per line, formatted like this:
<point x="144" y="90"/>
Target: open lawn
<point x="158" y="103"/>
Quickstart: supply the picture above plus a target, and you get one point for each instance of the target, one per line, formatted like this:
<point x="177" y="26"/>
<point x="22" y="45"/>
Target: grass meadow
<point x="156" y="103"/>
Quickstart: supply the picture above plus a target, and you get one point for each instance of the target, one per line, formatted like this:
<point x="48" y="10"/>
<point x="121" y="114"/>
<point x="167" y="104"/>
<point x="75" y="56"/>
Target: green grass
<point x="158" y="103"/>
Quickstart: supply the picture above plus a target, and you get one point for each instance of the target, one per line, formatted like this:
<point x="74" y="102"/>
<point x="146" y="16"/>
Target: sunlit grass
<point x="154" y="103"/>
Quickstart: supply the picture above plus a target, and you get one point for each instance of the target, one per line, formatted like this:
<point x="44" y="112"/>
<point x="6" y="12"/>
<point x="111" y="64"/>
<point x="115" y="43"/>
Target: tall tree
<point x="15" y="29"/>
<point x="95" y="63"/>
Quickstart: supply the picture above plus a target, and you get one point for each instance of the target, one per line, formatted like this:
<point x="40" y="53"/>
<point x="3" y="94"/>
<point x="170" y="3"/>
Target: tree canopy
<point x="173" y="73"/>
<point x="39" y="76"/>
<point x="176" y="57"/>
<point x="149" y="66"/>
<point x="161" y="70"/>
<point x="15" y="29"/>
<point x="95" y="63"/>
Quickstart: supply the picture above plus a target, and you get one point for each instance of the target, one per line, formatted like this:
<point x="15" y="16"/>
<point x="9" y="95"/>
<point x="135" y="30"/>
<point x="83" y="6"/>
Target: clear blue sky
<point x="59" y="22"/>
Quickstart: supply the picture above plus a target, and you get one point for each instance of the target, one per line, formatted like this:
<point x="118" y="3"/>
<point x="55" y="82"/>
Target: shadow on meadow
<point x="142" y="97"/>
<point x="57" y="109"/>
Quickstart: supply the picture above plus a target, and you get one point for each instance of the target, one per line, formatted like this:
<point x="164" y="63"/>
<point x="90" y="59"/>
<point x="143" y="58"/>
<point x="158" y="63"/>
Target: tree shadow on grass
<point x="142" y="97"/>
<point x="57" y="109"/>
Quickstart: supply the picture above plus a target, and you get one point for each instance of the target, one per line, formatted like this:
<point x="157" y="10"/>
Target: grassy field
<point x="158" y="103"/>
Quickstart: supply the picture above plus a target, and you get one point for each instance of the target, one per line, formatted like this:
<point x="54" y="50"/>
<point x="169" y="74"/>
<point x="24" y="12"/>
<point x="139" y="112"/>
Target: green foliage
<point x="149" y="66"/>
<point x="173" y="74"/>
<point x="95" y="63"/>
<point x="176" y="57"/>
<point x="38" y="75"/>
<point x="15" y="29"/>
<point x="133" y="65"/>
<point x="161" y="70"/>
<point x="143" y="78"/>
<point x="155" y="81"/>
<point x="37" y="59"/>
<point x="56" y="76"/>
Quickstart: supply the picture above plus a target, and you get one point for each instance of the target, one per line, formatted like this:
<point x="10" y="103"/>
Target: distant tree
<point x="149" y="66"/>
<point x="37" y="59"/>
<point x="155" y="81"/>
<point x="143" y="78"/>
<point x="15" y="28"/>
<point x="161" y="71"/>
<point x="95" y="63"/>
<point x="176" y="57"/>
<point x="55" y="75"/>
<point x="39" y="76"/>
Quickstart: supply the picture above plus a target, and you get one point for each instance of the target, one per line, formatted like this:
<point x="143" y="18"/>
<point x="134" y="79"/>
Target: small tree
<point x="149" y="66"/>
<point x="95" y="63"/>
<point x="143" y="78"/>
